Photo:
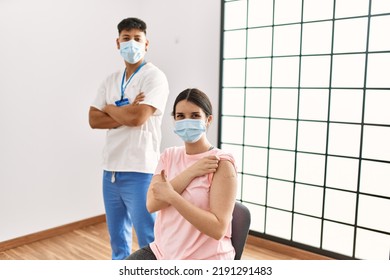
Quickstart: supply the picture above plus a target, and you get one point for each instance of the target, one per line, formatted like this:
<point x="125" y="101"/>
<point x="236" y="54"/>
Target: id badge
<point x="124" y="101"/>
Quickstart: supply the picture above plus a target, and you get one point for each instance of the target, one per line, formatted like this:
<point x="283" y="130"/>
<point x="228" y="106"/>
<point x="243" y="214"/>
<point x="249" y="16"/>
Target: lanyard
<point x="123" y="87"/>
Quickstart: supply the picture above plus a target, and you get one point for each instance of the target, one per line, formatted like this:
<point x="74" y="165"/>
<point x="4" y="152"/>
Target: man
<point x="130" y="104"/>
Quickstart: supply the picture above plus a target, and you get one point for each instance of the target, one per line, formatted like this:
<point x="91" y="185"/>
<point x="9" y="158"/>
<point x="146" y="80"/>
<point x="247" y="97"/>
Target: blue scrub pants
<point x="124" y="196"/>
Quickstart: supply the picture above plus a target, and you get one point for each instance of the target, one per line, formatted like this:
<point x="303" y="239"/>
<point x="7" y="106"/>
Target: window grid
<point x="330" y="123"/>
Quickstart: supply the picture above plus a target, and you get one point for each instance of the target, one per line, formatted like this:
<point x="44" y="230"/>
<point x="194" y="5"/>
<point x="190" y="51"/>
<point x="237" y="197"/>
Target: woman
<point x="194" y="190"/>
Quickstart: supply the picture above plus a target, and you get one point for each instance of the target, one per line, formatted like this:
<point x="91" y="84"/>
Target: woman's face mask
<point x="190" y="130"/>
<point x="132" y="51"/>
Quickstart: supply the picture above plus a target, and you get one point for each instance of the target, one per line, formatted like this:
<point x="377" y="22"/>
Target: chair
<point x="240" y="228"/>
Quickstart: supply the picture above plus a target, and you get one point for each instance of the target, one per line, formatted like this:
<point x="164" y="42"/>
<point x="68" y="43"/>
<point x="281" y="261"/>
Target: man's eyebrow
<point x="136" y="35"/>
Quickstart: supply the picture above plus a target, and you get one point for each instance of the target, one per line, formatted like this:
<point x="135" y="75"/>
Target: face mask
<point x="132" y="51"/>
<point x="190" y="130"/>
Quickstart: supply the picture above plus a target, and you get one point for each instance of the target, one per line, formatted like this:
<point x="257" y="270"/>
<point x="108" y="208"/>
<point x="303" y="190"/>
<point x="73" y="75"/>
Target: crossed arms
<point x="111" y="116"/>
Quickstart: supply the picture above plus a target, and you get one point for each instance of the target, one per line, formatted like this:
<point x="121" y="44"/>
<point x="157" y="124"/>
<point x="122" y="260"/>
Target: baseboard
<point x="20" y="241"/>
<point x="253" y="240"/>
<point x="284" y="249"/>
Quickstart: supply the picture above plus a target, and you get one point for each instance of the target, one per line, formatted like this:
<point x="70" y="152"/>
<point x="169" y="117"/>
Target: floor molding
<point x="282" y="248"/>
<point x="20" y="241"/>
<point x="252" y="240"/>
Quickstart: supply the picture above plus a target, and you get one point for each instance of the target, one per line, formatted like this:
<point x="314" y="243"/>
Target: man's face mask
<point x="190" y="130"/>
<point x="132" y="51"/>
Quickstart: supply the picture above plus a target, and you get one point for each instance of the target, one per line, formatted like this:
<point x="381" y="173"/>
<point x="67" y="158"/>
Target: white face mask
<point x="132" y="51"/>
<point x="190" y="130"/>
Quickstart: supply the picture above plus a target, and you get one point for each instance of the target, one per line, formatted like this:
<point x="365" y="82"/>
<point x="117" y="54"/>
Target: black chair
<point x="240" y="228"/>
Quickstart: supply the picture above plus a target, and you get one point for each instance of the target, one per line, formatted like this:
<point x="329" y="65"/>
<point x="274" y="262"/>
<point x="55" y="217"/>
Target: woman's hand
<point x="204" y="166"/>
<point x="163" y="190"/>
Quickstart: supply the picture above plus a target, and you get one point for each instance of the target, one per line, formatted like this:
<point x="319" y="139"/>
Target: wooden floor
<point x="92" y="243"/>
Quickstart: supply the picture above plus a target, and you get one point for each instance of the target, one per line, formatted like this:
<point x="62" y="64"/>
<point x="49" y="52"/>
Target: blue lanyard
<point x="123" y="88"/>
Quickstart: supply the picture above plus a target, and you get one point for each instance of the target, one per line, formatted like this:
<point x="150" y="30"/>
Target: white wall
<point x="185" y="43"/>
<point x="53" y="55"/>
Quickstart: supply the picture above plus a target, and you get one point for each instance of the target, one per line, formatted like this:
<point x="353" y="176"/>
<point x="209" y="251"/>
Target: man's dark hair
<point x="132" y="23"/>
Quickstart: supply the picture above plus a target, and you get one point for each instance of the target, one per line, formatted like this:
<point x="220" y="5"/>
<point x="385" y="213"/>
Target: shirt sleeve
<point x="224" y="156"/>
<point x="229" y="158"/>
<point x="100" y="99"/>
<point x="156" y="89"/>
<point x="161" y="163"/>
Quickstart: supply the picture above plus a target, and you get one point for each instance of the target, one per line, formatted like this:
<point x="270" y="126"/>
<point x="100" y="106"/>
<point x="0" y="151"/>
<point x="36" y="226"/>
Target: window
<point x="305" y="100"/>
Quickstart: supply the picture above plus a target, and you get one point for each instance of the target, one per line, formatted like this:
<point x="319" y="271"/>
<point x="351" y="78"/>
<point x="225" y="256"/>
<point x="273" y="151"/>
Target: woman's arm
<point x="202" y="167"/>
<point x="215" y="222"/>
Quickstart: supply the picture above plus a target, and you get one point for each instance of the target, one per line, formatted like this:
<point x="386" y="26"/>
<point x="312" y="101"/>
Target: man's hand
<point x="139" y="98"/>
<point x="134" y="114"/>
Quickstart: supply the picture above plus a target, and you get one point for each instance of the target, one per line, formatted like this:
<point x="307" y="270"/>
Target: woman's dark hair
<point x="132" y="23"/>
<point x="197" y="97"/>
